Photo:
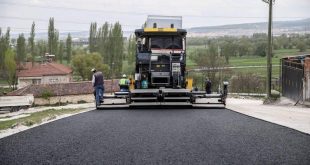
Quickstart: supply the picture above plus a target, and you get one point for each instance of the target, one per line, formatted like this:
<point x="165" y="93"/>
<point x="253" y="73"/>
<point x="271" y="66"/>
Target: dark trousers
<point x="99" y="90"/>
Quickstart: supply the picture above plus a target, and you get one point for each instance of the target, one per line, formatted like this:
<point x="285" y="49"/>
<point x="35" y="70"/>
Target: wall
<point x="56" y="79"/>
<point x="24" y="81"/>
<point x="65" y="99"/>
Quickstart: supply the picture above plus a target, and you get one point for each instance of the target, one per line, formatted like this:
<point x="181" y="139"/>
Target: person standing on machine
<point x="208" y="86"/>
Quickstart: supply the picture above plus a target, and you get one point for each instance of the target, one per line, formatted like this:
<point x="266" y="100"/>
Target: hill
<point x="279" y="27"/>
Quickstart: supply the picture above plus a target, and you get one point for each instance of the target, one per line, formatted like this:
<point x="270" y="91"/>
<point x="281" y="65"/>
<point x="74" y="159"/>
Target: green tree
<point x="53" y="36"/>
<point x="117" y="48"/>
<point x="301" y="46"/>
<point x="56" y="44"/>
<point x="244" y="46"/>
<point x="10" y="67"/>
<point x="83" y="63"/>
<point x="102" y="38"/>
<point x="41" y="48"/>
<point x="61" y="51"/>
<point x="21" y="49"/>
<point x="260" y="49"/>
<point x="69" y="48"/>
<point x="131" y="50"/>
<point x="4" y="45"/>
<point x="208" y="58"/>
<point x="92" y="37"/>
<point x="228" y="49"/>
<point x="31" y="43"/>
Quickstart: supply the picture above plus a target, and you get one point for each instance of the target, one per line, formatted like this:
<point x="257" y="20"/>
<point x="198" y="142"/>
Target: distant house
<point x="46" y="73"/>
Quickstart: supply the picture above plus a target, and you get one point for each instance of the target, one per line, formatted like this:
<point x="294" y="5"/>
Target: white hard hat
<point x="93" y="70"/>
<point x="124" y="76"/>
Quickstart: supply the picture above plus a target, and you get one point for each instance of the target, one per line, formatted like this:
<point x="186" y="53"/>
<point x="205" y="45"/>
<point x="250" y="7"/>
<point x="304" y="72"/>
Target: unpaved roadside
<point x="18" y="127"/>
<point x="283" y="113"/>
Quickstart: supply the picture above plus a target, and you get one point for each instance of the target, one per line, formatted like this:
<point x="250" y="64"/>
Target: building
<point x="46" y="73"/>
<point x="295" y="74"/>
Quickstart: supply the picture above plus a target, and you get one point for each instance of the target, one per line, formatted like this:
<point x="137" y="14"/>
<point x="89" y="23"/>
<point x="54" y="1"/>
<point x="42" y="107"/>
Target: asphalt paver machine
<point x="160" y="69"/>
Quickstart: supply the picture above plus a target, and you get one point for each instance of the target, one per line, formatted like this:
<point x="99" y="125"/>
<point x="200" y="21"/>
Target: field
<point x="255" y="61"/>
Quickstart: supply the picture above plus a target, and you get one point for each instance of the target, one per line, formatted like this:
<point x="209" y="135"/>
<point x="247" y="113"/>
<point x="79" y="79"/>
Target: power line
<point x="45" y="29"/>
<point x="58" y="21"/>
<point x="140" y="13"/>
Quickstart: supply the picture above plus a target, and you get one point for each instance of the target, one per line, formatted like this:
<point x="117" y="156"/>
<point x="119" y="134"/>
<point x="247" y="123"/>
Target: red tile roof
<point x="45" y="70"/>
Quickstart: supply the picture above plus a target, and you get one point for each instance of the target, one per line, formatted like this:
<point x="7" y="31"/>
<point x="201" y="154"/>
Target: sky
<point x="76" y="15"/>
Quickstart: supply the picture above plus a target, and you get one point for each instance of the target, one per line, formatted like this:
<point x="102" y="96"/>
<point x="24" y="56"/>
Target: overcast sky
<point x="76" y="15"/>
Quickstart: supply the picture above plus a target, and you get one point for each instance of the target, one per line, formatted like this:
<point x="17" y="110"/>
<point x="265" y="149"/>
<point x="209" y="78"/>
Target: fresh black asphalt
<point x="184" y="136"/>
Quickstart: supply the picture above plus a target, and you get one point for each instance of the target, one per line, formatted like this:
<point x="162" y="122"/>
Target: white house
<point x="47" y="73"/>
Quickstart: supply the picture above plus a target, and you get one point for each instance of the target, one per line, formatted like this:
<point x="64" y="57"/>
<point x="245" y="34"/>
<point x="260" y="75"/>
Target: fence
<point x="307" y="85"/>
<point x="292" y="79"/>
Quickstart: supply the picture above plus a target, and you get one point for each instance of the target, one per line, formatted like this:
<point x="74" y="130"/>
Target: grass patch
<point x="5" y="91"/>
<point x="5" y="117"/>
<point x="36" y="118"/>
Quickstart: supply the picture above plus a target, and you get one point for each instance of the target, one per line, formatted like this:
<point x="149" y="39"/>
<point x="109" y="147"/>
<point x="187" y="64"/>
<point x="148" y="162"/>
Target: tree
<point x="4" y="45"/>
<point x="131" y="50"/>
<point x="53" y="36"/>
<point x="83" y="63"/>
<point x="228" y="49"/>
<point x="41" y="47"/>
<point x="31" y="43"/>
<point x="301" y="46"/>
<point x="260" y="49"/>
<point x="102" y="38"/>
<point x="208" y="58"/>
<point x="61" y="51"/>
<point x="10" y="67"/>
<point x="92" y="37"/>
<point x="21" y="49"/>
<point x="244" y="46"/>
<point x="56" y="44"/>
<point x="69" y="48"/>
<point x="117" y="47"/>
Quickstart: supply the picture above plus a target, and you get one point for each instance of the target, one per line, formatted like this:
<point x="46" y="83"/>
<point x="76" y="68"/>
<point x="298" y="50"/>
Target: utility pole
<point x="269" y="66"/>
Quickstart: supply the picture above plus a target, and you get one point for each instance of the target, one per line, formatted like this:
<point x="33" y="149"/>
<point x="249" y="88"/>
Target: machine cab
<point x="161" y="53"/>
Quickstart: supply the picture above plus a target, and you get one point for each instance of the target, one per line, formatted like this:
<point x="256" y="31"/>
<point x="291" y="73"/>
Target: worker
<point x="124" y="84"/>
<point x="208" y="85"/>
<point x="144" y="82"/>
<point x="98" y="84"/>
<point x="139" y="45"/>
<point x="131" y="83"/>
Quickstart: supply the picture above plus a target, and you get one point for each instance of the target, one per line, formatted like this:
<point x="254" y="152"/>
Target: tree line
<point x="105" y="51"/>
<point x="14" y="53"/>
<point x="255" y="45"/>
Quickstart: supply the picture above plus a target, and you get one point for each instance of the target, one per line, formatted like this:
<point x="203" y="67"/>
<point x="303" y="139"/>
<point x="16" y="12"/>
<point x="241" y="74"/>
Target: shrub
<point x="247" y="83"/>
<point x="81" y="102"/>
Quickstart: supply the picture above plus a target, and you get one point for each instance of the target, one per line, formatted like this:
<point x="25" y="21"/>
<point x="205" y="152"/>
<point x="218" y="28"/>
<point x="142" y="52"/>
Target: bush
<point x="46" y="94"/>
<point x="247" y="83"/>
<point x="81" y="102"/>
<point x="28" y="123"/>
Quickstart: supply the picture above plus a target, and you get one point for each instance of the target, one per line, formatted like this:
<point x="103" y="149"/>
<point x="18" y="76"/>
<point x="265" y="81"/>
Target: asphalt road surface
<point x="201" y="136"/>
